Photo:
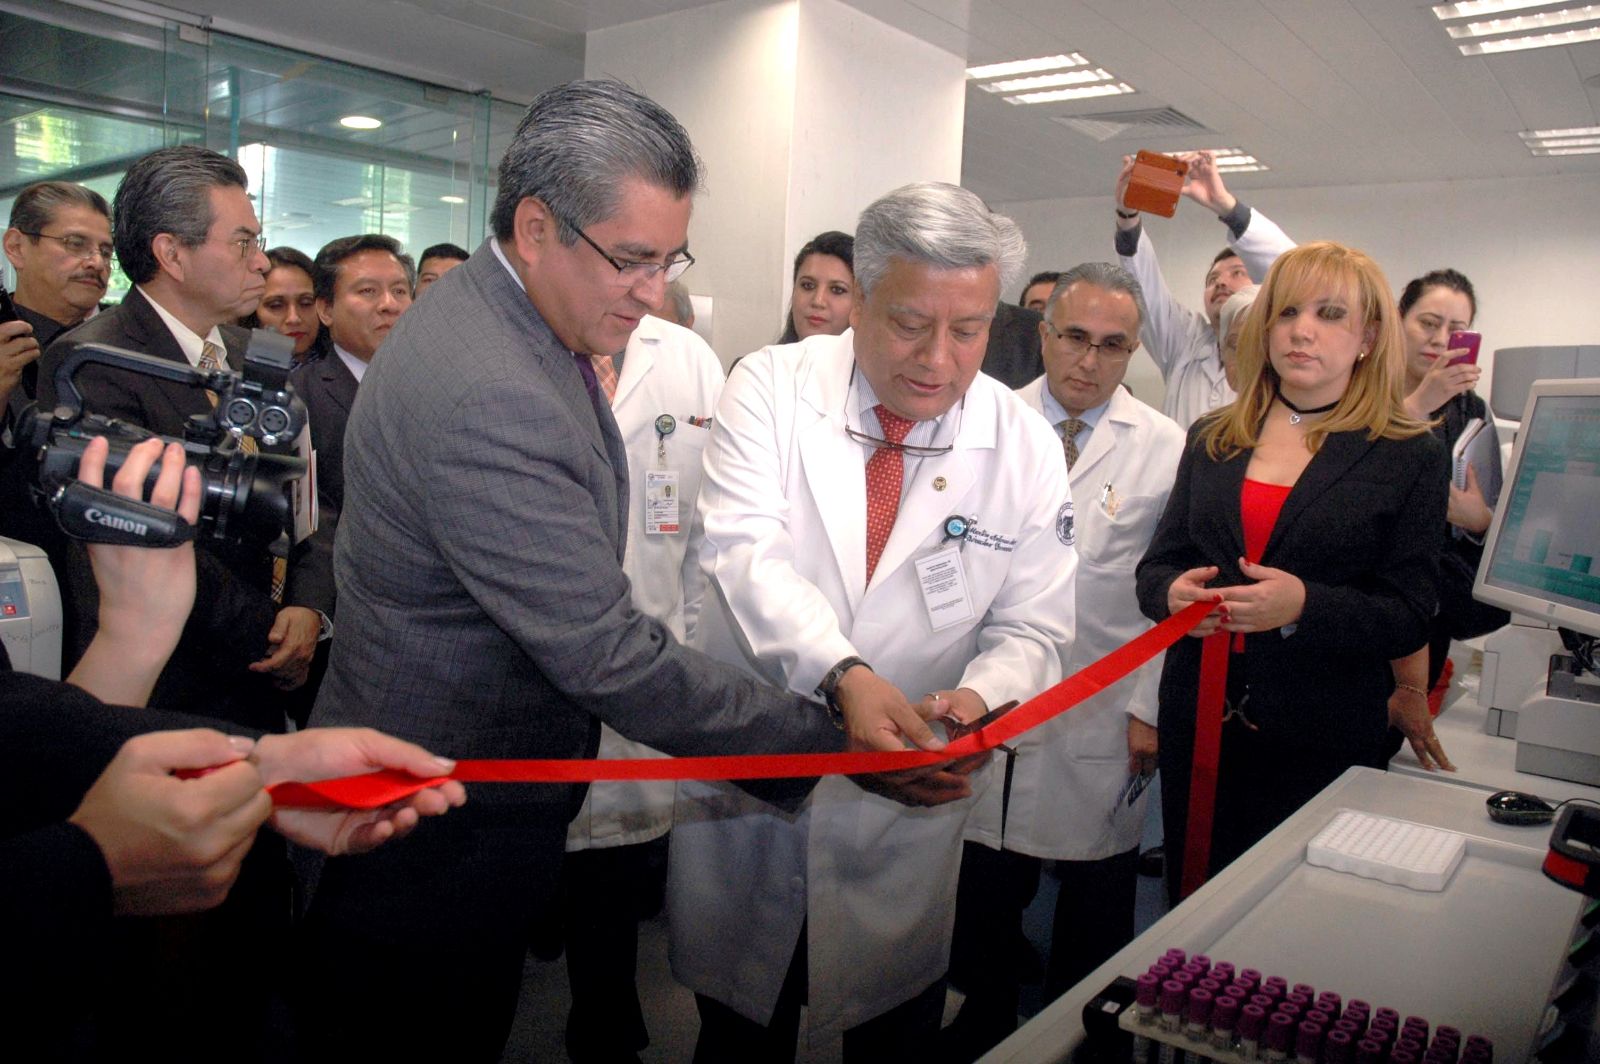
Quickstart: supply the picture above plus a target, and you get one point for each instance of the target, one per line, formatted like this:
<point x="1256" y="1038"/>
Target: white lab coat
<point x="665" y="370"/>
<point x="1182" y="341"/>
<point x="784" y="503"/>
<point x="1070" y="770"/>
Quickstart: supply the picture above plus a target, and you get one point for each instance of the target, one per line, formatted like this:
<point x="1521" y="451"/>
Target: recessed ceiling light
<point x="1047" y="81"/>
<point x="360" y="122"/>
<point x="1083" y="92"/>
<point x="1231" y="160"/>
<point x="1026" y="66"/>
<point x="1578" y="140"/>
<point x="1541" y="21"/>
<point x="1569" y="142"/>
<point x="1545" y="134"/>
<point x="353" y="201"/>
<point x="1471" y="8"/>
<point x="1541" y="40"/>
<point x="453" y="200"/>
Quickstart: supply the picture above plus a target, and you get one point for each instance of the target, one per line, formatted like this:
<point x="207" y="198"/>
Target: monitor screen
<point x="1542" y="557"/>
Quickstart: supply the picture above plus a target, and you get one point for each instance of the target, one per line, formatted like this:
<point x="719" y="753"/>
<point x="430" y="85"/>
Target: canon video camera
<point x="245" y="497"/>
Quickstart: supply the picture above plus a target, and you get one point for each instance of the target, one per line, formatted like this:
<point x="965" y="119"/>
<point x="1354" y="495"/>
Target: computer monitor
<point x="1542" y="557"/>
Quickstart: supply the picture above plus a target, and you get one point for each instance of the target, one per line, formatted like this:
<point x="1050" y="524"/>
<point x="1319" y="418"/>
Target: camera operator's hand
<point x="145" y="592"/>
<point x="17" y="349"/>
<point x="294" y="643"/>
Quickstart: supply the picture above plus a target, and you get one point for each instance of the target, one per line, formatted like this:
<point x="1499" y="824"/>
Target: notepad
<point x="1389" y="850"/>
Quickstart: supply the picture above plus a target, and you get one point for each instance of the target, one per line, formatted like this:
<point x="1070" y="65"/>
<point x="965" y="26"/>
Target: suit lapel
<point x="340" y="381"/>
<point x="1339" y="451"/>
<point x="149" y="334"/>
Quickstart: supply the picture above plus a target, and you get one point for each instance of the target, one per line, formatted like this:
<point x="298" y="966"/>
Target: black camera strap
<point x="98" y="516"/>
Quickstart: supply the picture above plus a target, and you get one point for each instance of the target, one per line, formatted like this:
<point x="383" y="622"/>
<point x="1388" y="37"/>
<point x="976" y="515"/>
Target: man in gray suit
<point x="482" y="604"/>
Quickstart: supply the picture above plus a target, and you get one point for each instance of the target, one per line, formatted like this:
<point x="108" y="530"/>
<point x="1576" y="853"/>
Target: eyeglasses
<point x="1078" y="343"/>
<point x="880" y="443"/>
<point x="78" y="246"/>
<point x="632" y="273"/>
<point x="247" y="244"/>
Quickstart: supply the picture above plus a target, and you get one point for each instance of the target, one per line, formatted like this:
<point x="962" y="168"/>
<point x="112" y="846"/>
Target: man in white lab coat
<point x="881" y="521"/>
<point x="1183" y="342"/>
<point x="1075" y="792"/>
<point x="663" y="395"/>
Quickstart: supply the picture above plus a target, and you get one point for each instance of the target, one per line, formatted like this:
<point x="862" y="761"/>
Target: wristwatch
<point x="829" y="687"/>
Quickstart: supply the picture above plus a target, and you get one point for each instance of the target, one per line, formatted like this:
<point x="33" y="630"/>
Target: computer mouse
<point x="1519" y="808"/>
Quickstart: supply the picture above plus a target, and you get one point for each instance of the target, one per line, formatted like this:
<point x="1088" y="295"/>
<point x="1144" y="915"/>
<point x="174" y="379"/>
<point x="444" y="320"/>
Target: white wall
<point x="875" y="108"/>
<point x="804" y="111"/>
<point x="727" y="72"/>
<point x="1531" y="248"/>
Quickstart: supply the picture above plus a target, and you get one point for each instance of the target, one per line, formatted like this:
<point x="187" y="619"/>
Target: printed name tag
<point x="661" y="502"/>
<point x="944" y="588"/>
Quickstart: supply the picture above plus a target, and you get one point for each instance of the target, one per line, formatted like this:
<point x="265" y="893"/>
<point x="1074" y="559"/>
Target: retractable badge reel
<point x="661" y="516"/>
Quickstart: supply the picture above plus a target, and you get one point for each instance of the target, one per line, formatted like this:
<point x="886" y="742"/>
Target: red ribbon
<point x="1207" y="756"/>
<point x="377" y="789"/>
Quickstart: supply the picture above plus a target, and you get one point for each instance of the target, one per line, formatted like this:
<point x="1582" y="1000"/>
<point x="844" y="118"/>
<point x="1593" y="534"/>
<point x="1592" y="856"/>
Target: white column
<point x="804" y="111"/>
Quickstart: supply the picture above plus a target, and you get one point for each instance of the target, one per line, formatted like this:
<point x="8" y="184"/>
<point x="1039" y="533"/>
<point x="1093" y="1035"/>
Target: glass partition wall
<point x="331" y="149"/>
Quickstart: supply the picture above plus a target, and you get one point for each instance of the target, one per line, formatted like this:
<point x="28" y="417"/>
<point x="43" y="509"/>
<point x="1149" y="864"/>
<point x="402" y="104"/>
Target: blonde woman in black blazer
<point x="1346" y="580"/>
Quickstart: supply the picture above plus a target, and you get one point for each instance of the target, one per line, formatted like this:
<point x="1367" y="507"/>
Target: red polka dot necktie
<point x="885" y="473"/>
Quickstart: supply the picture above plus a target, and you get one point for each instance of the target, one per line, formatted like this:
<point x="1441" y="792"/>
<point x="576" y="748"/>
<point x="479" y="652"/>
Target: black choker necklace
<point x="1300" y="411"/>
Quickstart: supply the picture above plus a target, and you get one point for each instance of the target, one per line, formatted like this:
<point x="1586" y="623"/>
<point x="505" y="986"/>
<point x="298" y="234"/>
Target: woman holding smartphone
<point x="1309" y="509"/>
<point x="1440" y="377"/>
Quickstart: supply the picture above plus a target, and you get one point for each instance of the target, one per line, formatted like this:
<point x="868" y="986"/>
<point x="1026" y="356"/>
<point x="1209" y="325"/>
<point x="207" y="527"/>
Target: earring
<point x="1360" y="356"/>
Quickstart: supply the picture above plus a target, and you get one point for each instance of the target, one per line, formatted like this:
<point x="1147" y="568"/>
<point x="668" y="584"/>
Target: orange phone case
<point x="1154" y="185"/>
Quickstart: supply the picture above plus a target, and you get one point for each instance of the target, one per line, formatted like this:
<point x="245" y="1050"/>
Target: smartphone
<point x="8" y="312"/>
<point x="1469" y="340"/>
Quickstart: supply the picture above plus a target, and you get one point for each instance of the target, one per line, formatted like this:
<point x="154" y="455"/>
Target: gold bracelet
<point x="1410" y="687"/>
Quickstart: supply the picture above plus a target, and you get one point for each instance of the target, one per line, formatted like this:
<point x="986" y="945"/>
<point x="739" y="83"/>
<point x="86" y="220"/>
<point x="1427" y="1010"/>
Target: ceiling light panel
<point x="1048" y="81"/>
<point x="1542" y="40"/>
<point x="1230" y="160"/>
<point x="1546" y="134"/>
<point x="1083" y="92"/>
<point x="1473" y="8"/>
<point x="1026" y="66"/>
<point x="1577" y="140"/>
<point x="1542" y="21"/>
<point x="1537" y="29"/>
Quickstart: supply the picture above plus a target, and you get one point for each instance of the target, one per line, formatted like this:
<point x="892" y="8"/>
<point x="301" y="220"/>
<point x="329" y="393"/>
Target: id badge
<point x="943" y="580"/>
<point x="661" y="502"/>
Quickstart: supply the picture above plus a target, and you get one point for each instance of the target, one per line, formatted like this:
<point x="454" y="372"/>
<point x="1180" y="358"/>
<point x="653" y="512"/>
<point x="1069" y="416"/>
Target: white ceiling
<point x="1326" y="92"/>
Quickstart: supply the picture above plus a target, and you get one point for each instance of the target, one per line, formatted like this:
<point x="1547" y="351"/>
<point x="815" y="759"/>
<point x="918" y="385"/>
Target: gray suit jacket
<point x="483" y="611"/>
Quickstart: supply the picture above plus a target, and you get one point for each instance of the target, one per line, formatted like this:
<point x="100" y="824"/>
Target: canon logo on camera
<point x="121" y="524"/>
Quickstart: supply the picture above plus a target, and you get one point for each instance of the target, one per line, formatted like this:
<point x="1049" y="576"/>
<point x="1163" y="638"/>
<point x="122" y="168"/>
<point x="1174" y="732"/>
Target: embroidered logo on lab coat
<point x="1064" y="531"/>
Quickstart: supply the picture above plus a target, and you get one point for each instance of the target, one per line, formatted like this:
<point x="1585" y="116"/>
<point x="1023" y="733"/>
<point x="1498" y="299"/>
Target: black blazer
<point x="328" y="389"/>
<point x="1361" y="529"/>
<point x="233" y="610"/>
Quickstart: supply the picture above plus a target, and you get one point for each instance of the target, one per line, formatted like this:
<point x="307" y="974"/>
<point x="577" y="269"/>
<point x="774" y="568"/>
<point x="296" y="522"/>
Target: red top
<point x="1259" y="506"/>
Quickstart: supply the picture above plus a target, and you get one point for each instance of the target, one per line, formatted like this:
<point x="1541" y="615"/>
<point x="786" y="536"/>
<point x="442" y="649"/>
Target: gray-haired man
<point x="482" y="601"/>
<point x="884" y="518"/>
